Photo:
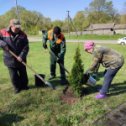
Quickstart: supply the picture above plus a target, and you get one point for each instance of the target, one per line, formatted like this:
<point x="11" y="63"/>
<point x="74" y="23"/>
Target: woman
<point x="109" y="58"/>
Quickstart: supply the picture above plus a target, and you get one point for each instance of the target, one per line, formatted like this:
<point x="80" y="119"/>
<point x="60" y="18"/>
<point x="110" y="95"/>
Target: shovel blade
<point x="50" y="85"/>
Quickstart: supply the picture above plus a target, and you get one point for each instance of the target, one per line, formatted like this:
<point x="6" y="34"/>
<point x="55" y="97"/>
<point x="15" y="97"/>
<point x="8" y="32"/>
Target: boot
<point x="52" y="77"/>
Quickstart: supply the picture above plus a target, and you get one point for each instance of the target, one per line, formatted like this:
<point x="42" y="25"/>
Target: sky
<point x="54" y="9"/>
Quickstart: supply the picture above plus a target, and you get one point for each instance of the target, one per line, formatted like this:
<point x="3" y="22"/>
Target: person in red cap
<point x="109" y="58"/>
<point x="14" y="39"/>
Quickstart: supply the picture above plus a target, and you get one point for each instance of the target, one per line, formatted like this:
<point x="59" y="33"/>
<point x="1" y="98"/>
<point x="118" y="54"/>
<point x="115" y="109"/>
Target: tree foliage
<point x="32" y="21"/>
<point x="102" y="11"/>
<point x="123" y="19"/>
<point x="79" y="20"/>
<point x="98" y="11"/>
<point x="77" y="73"/>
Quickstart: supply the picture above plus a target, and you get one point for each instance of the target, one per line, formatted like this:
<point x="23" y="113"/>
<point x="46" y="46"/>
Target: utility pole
<point x="17" y="11"/>
<point x="68" y="17"/>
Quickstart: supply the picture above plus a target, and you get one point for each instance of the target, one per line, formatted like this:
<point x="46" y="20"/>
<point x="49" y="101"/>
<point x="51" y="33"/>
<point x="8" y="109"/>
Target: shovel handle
<point x="13" y="54"/>
<point x="50" y="51"/>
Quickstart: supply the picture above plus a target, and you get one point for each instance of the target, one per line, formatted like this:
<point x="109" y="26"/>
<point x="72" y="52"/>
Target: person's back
<point x="108" y="57"/>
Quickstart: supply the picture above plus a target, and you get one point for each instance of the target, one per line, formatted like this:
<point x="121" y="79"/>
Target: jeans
<point x="108" y="77"/>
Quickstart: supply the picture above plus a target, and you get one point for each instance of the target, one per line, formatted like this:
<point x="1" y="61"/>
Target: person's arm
<point x="44" y="39"/>
<point x="94" y="65"/>
<point x="96" y="61"/>
<point x="25" y="50"/>
<point x="62" y="49"/>
<point x="2" y="43"/>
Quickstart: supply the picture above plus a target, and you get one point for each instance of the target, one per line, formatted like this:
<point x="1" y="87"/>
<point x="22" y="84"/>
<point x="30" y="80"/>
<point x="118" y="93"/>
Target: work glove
<point x="44" y="46"/>
<point x="58" y="60"/>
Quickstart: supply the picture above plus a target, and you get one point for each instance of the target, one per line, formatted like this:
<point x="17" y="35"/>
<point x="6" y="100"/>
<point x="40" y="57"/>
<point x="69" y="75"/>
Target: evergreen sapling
<point x="76" y="74"/>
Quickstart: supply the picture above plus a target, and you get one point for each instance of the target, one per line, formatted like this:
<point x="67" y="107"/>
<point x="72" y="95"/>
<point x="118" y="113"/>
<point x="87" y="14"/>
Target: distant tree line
<point x="99" y="11"/>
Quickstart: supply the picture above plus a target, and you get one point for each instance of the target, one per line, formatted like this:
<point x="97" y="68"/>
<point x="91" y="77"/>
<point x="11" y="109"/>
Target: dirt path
<point x="39" y="39"/>
<point x="117" y="117"/>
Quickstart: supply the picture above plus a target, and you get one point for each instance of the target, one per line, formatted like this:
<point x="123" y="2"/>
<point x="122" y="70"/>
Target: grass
<point x="95" y="37"/>
<point x="89" y="37"/>
<point x="43" y="107"/>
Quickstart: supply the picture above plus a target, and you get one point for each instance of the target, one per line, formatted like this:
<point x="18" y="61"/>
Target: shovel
<point x="67" y="86"/>
<point x="45" y="82"/>
<point x="51" y="52"/>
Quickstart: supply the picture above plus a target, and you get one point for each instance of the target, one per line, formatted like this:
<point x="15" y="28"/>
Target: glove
<point x="44" y="46"/>
<point x="58" y="60"/>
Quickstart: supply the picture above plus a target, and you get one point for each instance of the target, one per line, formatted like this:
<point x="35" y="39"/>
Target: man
<point x="110" y="59"/>
<point x="57" y="51"/>
<point x="14" y="39"/>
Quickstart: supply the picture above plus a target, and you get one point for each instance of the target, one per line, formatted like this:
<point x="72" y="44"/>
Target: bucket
<point x="38" y="82"/>
<point x="91" y="81"/>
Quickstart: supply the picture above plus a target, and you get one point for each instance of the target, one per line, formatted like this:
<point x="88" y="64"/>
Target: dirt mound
<point x="69" y="97"/>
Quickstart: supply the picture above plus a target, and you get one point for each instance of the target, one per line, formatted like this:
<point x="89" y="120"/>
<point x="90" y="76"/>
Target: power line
<point x="71" y="22"/>
<point x="17" y="10"/>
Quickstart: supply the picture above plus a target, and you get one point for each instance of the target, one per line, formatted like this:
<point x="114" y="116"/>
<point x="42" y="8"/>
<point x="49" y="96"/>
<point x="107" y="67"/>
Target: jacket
<point x="109" y="58"/>
<point x="57" y="45"/>
<point x="18" y="44"/>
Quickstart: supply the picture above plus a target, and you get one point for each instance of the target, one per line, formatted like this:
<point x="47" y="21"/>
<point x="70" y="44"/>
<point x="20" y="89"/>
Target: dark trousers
<point x="53" y="67"/>
<point x="18" y="77"/>
<point x="108" y="77"/>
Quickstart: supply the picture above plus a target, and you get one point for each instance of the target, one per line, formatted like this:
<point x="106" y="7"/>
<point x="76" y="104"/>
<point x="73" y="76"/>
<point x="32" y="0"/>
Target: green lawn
<point x="95" y="37"/>
<point x="43" y="107"/>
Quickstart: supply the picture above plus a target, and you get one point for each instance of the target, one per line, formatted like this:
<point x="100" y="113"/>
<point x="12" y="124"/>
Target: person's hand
<point x="19" y="59"/>
<point x="87" y="72"/>
<point x="44" y="46"/>
<point x="94" y="75"/>
<point x="6" y="48"/>
<point x="58" y="60"/>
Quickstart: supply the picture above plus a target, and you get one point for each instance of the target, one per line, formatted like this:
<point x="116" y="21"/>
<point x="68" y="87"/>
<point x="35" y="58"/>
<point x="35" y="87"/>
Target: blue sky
<point x="54" y="9"/>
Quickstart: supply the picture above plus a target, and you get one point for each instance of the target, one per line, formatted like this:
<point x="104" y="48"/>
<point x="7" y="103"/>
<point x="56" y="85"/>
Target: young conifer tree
<point x="76" y="74"/>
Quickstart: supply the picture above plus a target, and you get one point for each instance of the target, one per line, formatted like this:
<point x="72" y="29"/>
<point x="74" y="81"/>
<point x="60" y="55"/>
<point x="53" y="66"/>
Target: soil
<point x="68" y="97"/>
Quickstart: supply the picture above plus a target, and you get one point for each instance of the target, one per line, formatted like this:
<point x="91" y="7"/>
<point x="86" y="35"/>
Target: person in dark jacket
<point x="58" y="49"/>
<point x="14" y="39"/>
<point x="109" y="58"/>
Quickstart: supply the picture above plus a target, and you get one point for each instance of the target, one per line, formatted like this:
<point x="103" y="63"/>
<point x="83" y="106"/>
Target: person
<point x="109" y="58"/>
<point x="57" y="51"/>
<point x="14" y="39"/>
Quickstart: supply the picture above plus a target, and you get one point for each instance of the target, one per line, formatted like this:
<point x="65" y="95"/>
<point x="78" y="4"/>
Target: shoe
<point x="100" y="96"/>
<point x="64" y="81"/>
<point x="17" y="91"/>
<point x="52" y="77"/>
<point x="25" y="88"/>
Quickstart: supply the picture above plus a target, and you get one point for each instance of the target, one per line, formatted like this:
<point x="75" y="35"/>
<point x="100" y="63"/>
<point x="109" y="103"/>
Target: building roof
<point x="120" y="26"/>
<point x="100" y="26"/>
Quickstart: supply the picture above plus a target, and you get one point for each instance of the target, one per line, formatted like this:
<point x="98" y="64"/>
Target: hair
<point x="57" y="30"/>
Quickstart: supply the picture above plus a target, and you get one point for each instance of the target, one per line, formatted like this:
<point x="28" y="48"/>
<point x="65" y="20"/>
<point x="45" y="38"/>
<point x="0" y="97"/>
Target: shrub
<point x="76" y="74"/>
